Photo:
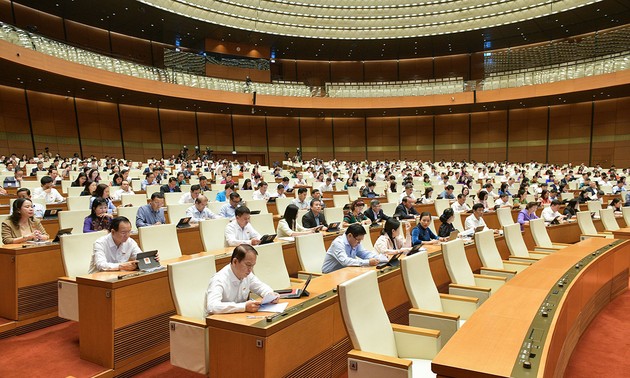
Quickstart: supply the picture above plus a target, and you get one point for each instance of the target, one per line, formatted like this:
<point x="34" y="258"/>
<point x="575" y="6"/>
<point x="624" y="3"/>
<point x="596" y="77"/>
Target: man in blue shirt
<point x="346" y="250"/>
<point x="229" y="209"/>
<point x="151" y="213"/>
<point x="223" y="196"/>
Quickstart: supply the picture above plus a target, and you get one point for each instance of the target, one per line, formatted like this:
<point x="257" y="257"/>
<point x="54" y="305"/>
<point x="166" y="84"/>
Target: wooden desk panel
<point x="490" y="341"/>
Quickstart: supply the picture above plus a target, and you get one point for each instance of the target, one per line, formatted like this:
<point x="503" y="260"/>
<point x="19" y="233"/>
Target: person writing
<point x="422" y="234"/>
<point x="229" y="289"/>
<point x="551" y="213"/>
<point x="116" y="250"/>
<point x="21" y="226"/>
<point x="391" y="241"/>
<point x="346" y="250"/>
<point x="99" y="219"/>
<point x="240" y="231"/>
<point x="288" y="226"/>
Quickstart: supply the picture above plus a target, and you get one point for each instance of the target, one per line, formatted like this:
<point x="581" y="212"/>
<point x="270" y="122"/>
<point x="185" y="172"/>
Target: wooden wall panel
<point x="178" y="130"/>
<point x="349" y="134"/>
<point x="346" y="71"/>
<point x="451" y="137"/>
<point x="477" y="66"/>
<point x="250" y="134"/>
<point x="416" y="138"/>
<point x="131" y="48"/>
<point x="569" y="133"/>
<point x="288" y="69"/>
<point x="47" y="24"/>
<point x="141" y="132"/>
<point x="382" y="137"/>
<point x="87" y="36"/>
<point x="5" y="11"/>
<point x="611" y="133"/>
<point x="528" y="134"/>
<point x="215" y="131"/>
<point x="99" y="128"/>
<point x="284" y="136"/>
<point x="416" y="69"/>
<point x="488" y="136"/>
<point x="317" y="140"/>
<point x="313" y="72"/>
<point x="54" y="123"/>
<point x="380" y="70"/>
<point x="452" y="66"/>
<point x="15" y="133"/>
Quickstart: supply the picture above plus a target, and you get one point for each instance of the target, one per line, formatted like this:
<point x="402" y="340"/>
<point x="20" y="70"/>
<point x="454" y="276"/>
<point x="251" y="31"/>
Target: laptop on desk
<point x="255" y="212"/>
<point x="453" y="235"/>
<point x="393" y="261"/>
<point x="51" y="214"/>
<point x="266" y="239"/>
<point x="298" y="293"/>
<point x="184" y="222"/>
<point x="63" y="231"/>
<point x="334" y="226"/>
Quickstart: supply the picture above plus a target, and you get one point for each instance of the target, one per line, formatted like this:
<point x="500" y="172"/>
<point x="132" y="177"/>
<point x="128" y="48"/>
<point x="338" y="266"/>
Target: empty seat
<point x="78" y="203"/>
<point x="492" y="263"/>
<point x="270" y="266"/>
<point x="162" y="238"/>
<point x="177" y="212"/>
<point x="516" y="245"/>
<point x="311" y="252"/>
<point x="136" y="200"/>
<point x="608" y="219"/>
<point x="541" y="237"/>
<point x="504" y="214"/>
<point x="587" y="228"/>
<point x="130" y="213"/>
<point x="263" y="223"/>
<point x="213" y="233"/>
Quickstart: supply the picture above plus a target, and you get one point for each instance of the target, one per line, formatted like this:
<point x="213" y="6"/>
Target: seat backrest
<point x="608" y="219"/>
<point x="65" y="184"/>
<point x="78" y="203"/>
<point x="364" y="315"/>
<point x="263" y="223"/>
<point x="150" y="189"/>
<point x="567" y="196"/>
<point x="514" y="240"/>
<point x="341" y="200"/>
<point x="389" y="208"/>
<point x="177" y="212"/>
<point x="189" y="281"/>
<point x="419" y="282"/>
<point x="457" y="222"/>
<point x="172" y="198"/>
<point x="353" y="193"/>
<point x="32" y="185"/>
<point x="76" y="252"/>
<point x="393" y="198"/>
<point x="626" y="214"/>
<point x="130" y="213"/>
<point x="213" y="233"/>
<point x="134" y="200"/>
<point x="163" y="238"/>
<point x="246" y="195"/>
<point x="367" y="239"/>
<point x="539" y="233"/>
<point x="441" y="205"/>
<point x="270" y="267"/>
<point x="215" y="207"/>
<point x="301" y="213"/>
<point x="504" y="214"/>
<point x="74" y="219"/>
<point x="586" y="223"/>
<point x="487" y="250"/>
<point x="456" y="263"/>
<point x="311" y="251"/>
<point x="594" y="206"/>
<point x="333" y="214"/>
<point x="282" y="203"/>
<point x="258" y="205"/>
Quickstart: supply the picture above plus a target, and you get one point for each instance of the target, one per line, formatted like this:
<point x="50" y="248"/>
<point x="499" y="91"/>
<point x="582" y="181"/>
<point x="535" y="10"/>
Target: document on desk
<point x="273" y="307"/>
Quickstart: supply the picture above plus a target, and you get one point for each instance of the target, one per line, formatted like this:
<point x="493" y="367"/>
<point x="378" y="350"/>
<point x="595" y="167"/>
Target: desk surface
<point x="490" y="341"/>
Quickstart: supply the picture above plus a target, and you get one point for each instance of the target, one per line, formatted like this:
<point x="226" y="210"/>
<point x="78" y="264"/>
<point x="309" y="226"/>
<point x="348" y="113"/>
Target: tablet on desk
<point x="51" y="214"/>
<point x="266" y="239"/>
<point x="393" y="261"/>
<point x="63" y="231"/>
<point x="453" y="235"/>
<point x="184" y="222"/>
<point x="297" y="293"/>
<point x="334" y="226"/>
<point x="147" y="261"/>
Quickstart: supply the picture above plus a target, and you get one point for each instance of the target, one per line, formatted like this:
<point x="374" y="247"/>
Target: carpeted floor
<point x="48" y="353"/>
<point x="604" y="348"/>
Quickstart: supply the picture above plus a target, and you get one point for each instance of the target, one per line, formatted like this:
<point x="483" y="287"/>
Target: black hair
<point x="241" y="251"/>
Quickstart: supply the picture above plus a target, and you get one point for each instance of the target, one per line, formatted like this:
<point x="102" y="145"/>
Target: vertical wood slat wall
<point x="560" y="134"/>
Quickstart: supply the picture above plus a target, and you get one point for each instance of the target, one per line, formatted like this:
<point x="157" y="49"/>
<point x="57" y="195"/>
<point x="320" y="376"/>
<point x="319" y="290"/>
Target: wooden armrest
<point x="463" y="306"/>
<point x="296" y="280"/>
<point x="504" y="271"/>
<point x="435" y="314"/>
<point x="487" y="277"/>
<point x="380" y="359"/>
<point x="67" y="279"/>
<point x="605" y="232"/>
<point x="561" y="244"/>
<point x="517" y="263"/>
<point x="594" y="235"/>
<point x="468" y="287"/>
<point x="539" y="253"/>
<point x="529" y="260"/>
<point x="190" y="321"/>
<point x="415" y="330"/>
<point x="538" y="248"/>
<point x="307" y="273"/>
<point x="451" y="297"/>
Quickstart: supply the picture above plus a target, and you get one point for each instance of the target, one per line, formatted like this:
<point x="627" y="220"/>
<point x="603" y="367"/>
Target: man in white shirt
<point x="475" y="219"/>
<point x="37" y="207"/>
<point x="327" y="186"/>
<point x="199" y="211"/>
<point x="279" y="192"/>
<point x="503" y="201"/>
<point x="116" y="250"/>
<point x="261" y="193"/>
<point x="240" y="231"/>
<point x="124" y="190"/>
<point x="191" y="196"/>
<point x="229" y="288"/>
<point x="47" y="192"/>
<point x="300" y="181"/>
<point x="408" y="193"/>
<point x="551" y="212"/>
<point x="460" y="206"/>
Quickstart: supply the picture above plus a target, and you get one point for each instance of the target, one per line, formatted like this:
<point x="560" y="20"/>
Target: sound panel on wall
<point x="349" y="138"/>
<point x="99" y="128"/>
<point x="569" y="133"/>
<point x="215" y="131"/>
<point x="527" y="134"/>
<point x="141" y="132"/>
<point x="178" y="130"/>
<point x="416" y="137"/>
<point x="451" y="137"/>
<point x="382" y="138"/>
<point x="317" y="139"/>
<point x="15" y="133"/>
<point x="488" y="136"/>
<point x="611" y="133"/>
<point x="54" y="123"/>
<point x="284" y="136"/>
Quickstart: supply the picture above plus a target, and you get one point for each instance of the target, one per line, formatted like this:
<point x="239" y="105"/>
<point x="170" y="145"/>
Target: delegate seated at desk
<point x="199" y="211"/>
<point x="346" y="250"/>
<point x="151" y="213"/>
<point x="229" y="289"/>
<point x="240" y="231"/>
<point x="314" y="217"/>
<point x="21" y="225"/>
<point x="37" y="207"/>
<point x="116" y="250"/>
<point x="475" y="219"/>
<point x="406" y="210"/>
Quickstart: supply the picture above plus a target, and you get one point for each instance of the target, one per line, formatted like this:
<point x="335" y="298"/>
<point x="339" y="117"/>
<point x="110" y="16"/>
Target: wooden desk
<point x="309" y="341"/>
<point x="28" y="286"/>
<point x="490" y="343"/>
<point x="622" y="233"/>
